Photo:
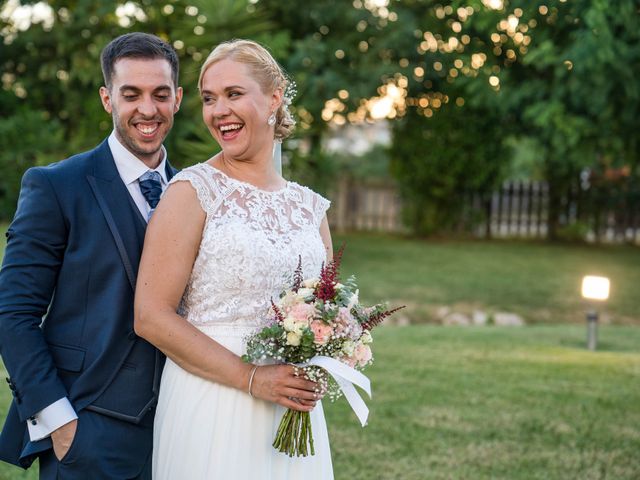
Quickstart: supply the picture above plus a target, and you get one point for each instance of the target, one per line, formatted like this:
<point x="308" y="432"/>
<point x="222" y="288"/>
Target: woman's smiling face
<point x="236" y="109"/>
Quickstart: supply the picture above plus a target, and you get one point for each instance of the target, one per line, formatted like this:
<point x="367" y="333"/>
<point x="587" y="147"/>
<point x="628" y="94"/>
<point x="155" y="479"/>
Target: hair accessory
<point x="290" y="92"/>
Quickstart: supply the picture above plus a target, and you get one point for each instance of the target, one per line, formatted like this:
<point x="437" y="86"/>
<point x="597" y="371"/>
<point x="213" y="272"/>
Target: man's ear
<point x="105" y="97"/>
<point x="178" y="100"/>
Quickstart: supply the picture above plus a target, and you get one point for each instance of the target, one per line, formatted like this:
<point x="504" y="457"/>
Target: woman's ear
<point x="276" y="99"/>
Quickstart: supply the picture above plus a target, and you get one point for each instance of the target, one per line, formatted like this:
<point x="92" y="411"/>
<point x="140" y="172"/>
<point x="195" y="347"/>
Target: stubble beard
<point x="130" y="143"/>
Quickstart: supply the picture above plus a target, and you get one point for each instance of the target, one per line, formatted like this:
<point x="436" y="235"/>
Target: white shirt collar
<point x="131" y="167"/>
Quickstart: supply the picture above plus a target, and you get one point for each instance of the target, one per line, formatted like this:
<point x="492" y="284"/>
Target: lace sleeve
<point x="205" y="189"/>
<point x="320" y="207"/>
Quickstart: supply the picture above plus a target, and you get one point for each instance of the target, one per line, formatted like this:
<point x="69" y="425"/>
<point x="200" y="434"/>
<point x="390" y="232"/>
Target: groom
<point x="84" y="385"/>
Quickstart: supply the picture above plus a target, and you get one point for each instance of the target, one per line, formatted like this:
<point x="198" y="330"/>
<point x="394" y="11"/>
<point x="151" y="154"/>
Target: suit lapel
<point x="170" y="171"/>
<point x="118" y="210"/>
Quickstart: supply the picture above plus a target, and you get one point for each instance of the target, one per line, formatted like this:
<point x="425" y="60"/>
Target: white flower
<point x="293" y="339"/>
<point x="366" y="337"/>
<point x="338" y="286"/>
<point x="310" y="283"/>
<point x="304" y="293"/>
<point x="290" y="325"/>
<point x="348" y="348"/>
<point x="289" y="300"/>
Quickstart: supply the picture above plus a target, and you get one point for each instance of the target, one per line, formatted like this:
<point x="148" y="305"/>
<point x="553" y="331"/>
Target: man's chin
<point x="144" y="150"/>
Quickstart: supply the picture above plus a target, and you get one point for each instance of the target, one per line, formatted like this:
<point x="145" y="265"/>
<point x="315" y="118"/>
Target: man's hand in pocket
<point x="62" y="438"/>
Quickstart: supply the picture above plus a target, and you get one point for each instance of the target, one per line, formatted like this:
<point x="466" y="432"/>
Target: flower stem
<point x="294" y="435"/>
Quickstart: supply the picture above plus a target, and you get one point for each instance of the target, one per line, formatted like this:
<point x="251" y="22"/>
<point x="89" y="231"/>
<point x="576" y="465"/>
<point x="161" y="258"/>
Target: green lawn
<point x="490" y="403"/>
<point x="539" y="281"/>
<point x="495" y="403"/>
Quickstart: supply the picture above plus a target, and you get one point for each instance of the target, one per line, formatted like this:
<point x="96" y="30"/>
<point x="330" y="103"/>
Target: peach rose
<point x="321" y="331"/>
<point x="363" y="354"/>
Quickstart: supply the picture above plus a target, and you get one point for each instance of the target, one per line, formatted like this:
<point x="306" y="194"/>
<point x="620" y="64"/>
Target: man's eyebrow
<point x="133" y="88"/>
<point x="129" y="87"/>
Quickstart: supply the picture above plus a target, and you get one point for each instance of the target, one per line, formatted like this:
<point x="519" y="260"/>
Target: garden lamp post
<point x="594" y="289"/>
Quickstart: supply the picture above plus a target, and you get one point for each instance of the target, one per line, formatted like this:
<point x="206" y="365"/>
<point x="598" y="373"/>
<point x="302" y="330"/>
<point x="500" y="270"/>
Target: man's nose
<point x="147" y="107"/>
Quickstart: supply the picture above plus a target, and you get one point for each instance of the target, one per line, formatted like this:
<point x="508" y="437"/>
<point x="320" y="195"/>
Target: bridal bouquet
<point x="320" y="326"/>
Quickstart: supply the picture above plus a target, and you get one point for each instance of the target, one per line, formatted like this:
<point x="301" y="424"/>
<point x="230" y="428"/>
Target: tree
<point x="442" y="162"/>
<point x="563" y="75"/>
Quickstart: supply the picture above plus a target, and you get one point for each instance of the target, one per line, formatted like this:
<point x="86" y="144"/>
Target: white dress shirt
<point x="130" y="168"/>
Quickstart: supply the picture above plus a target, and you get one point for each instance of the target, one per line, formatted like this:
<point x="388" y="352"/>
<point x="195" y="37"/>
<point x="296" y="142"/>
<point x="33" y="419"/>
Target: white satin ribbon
<point x="346" y="377"/>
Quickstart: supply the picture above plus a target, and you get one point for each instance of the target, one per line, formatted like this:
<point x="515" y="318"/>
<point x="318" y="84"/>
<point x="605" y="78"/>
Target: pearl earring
<point x="272" y="119"/>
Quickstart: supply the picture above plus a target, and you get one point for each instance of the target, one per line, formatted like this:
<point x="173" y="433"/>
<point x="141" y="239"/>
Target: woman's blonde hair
<point x="266" y="71"/>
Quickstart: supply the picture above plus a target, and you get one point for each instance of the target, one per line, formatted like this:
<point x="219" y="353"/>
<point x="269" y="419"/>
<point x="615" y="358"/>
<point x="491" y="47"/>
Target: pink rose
<point x="303" y="312"/>
<point x="321" y="331"/>
<point x="351" y="361"/>
<point x="363" y="354"/>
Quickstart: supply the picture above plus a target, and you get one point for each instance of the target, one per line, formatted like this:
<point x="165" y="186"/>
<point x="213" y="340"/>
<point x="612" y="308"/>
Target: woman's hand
<point x="283" y="384"/>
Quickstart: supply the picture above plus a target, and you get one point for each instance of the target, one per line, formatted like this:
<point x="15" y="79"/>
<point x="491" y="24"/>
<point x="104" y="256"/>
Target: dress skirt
<point x="204" y="430"/>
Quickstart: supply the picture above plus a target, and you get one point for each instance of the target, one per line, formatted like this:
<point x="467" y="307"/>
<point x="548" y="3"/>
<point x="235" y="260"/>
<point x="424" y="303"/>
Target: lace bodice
<point x="249" y="249"/>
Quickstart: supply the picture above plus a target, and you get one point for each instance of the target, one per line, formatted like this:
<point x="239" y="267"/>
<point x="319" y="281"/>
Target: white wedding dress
<point x="249" y="250"/>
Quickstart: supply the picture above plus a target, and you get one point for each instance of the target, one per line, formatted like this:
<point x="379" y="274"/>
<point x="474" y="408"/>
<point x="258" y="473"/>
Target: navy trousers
<point x="103" y="449"/>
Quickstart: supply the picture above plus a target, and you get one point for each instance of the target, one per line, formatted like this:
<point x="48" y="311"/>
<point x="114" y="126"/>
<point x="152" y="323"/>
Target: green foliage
<point x="575" y="232"/>
<point x="26" y="140"/>
<point x="566" y="81"/>
<point x="439" y="161"/>
<point x="572" y="88"/>
<point x="374" y="164"/>
<point x="307" y="346"/>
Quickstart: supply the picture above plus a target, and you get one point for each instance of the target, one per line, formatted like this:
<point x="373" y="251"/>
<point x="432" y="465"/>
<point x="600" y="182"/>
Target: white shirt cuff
<point x="50" y="418"/>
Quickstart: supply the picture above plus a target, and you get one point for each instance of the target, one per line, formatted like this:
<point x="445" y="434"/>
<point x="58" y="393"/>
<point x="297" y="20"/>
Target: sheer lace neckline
<point x="248" y="185"/>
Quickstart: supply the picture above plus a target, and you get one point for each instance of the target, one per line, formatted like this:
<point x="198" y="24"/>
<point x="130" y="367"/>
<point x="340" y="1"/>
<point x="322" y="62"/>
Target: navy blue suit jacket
<point x="66" y="300"/>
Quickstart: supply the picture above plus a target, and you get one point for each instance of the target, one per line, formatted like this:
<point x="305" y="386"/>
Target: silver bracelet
<point x="253" y="372"/>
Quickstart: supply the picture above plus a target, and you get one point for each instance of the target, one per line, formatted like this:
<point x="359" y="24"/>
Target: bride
<point x="222" y="243"/>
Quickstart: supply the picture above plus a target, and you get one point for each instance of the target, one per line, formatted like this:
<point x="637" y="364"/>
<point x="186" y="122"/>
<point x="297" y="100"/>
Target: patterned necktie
<point x="151" y="188"/>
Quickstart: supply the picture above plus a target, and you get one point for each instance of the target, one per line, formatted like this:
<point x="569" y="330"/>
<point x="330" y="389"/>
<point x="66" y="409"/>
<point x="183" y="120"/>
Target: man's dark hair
<point x="138" y="45"/>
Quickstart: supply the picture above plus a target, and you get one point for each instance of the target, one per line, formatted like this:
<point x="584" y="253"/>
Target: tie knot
<point x="151" y="187"/>
<point x="151" y="175"/>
